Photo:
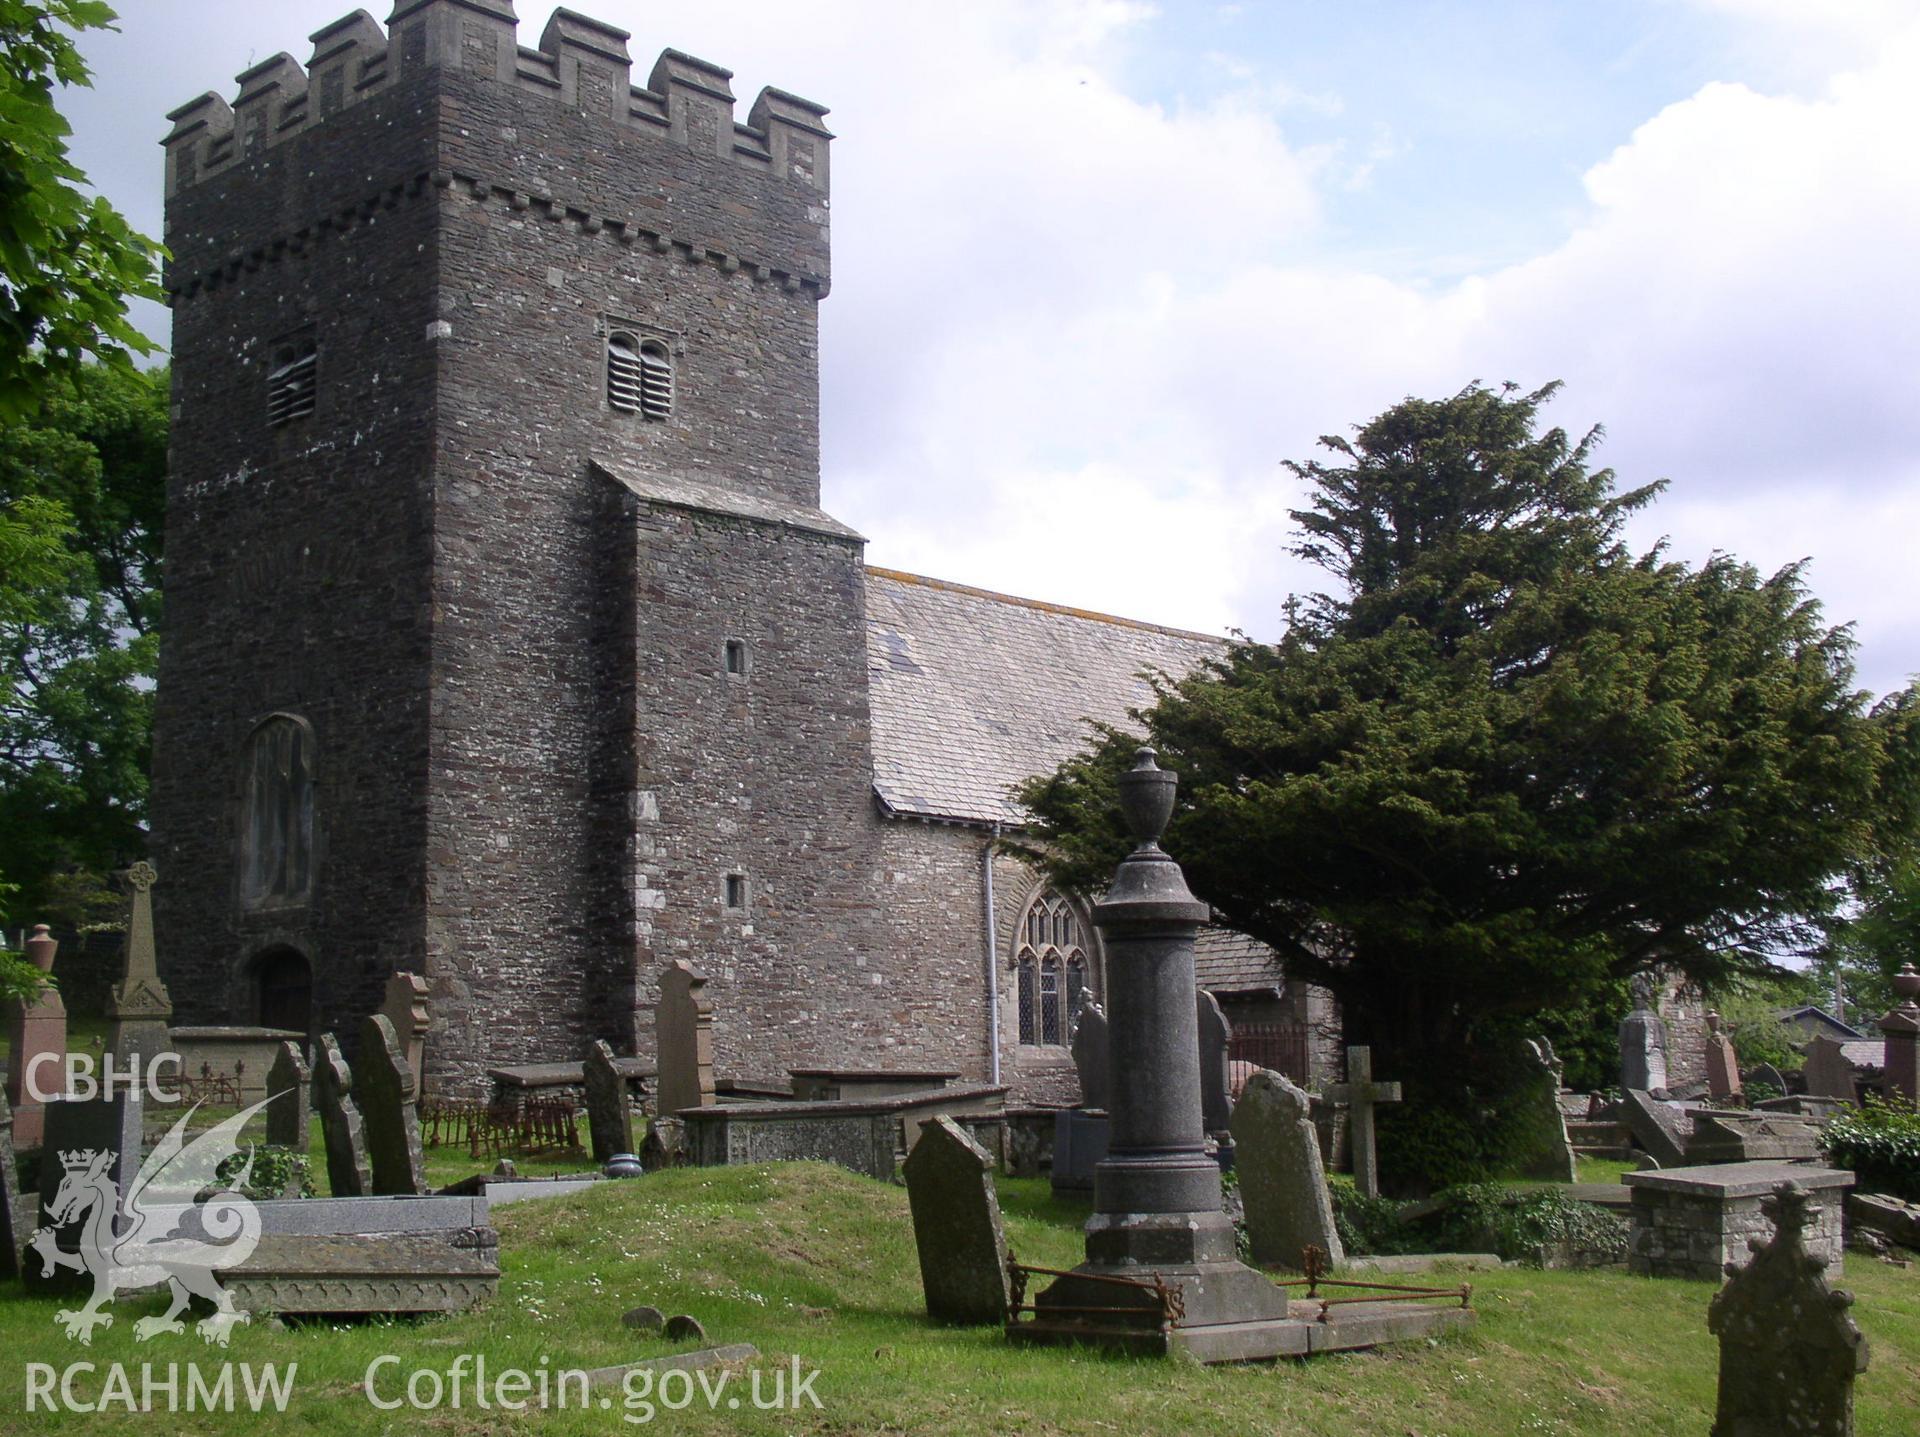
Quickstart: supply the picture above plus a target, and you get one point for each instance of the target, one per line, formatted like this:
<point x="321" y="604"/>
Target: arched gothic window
<point x="639" y="375"/>
<point x="276" y="815"/>
<point x="1051" y="970"/>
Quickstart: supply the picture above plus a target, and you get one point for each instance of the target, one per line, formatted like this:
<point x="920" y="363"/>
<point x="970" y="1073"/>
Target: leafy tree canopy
<point x="68" y="261"/>
<point x="1506" y="762"/>
<point x="77" y="638"/>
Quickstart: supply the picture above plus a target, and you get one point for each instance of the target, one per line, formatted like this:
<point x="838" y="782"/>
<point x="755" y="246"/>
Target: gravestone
<point x="1643" y="1042"/>
<point x="10" y="1215"/>
<point x="100" y="1125"/>
<point x="1770" y="1075"/>
<point x="405" y="1005"/>
<point x="683" y="1040"/>
<point x="1282" y="1184"/>
<point x="1789" y="1351"/>
<point x="383" y="1087"/>
<point x="1360" y="1094"/>
<point x="289" y="1082"/>
<point x="1539" y="1128"/>
<point x="138" y="1007"/>
<point x="38" y="1028"/>
<point x="1723" y="1067"/>
<point x="1090" y="1055"/>
<point x="1661" y="1128"/>
<point x="1827" y="1072"/>
<point x="957" y="1228"/>
<point x="340" y="1122"/>
<point x="609" y="1115"/>
<point x="1216" y="1103"/>
<point x="665" y="1145"/>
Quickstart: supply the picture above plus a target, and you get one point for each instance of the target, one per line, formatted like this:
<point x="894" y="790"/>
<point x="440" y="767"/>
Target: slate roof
<point x="1228" y="962"/>
<point x="974" y="692"/>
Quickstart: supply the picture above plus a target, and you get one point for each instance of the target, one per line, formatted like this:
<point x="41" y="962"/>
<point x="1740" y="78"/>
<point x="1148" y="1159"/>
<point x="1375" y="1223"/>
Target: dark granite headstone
<point x="1789" y="1351"/>
<point x="1090" y="1059"/>
<point x="340" y="1123"/>
<point x="74" y="1125"/>
<point x="609" y="1115"/>
<point x="289" y="1083"/>
<point x="383" y="1087"/>
<point x="1282" y="1184"/>
<point x="957" y="1228"/>
<point x="1216" y="1106"/>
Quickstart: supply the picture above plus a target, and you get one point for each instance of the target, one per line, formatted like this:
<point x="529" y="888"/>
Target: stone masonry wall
<point x="1695" y="1235"/>
<point x="297" y="556"/>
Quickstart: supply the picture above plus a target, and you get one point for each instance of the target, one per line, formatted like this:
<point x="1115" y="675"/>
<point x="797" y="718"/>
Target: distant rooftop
<point x="974" y="692"/>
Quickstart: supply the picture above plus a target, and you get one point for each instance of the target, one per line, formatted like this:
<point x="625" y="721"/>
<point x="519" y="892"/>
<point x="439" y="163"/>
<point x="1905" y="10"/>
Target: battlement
<point x="581" y="63"/>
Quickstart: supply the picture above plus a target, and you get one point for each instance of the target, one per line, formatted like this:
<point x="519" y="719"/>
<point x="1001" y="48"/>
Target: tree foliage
<point x="68" y="261"/>
<point x="1506" y="762"/>
<point x="77" y="638"/>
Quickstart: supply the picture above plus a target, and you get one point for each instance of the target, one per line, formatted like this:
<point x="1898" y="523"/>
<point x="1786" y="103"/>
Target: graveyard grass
<point x="808" y="1259"/>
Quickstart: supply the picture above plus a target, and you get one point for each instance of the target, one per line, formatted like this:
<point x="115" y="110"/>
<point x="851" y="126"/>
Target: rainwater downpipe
<point x="993" y="960"/>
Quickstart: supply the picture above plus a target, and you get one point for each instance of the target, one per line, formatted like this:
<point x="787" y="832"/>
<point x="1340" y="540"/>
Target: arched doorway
<point x="283" y="989"/>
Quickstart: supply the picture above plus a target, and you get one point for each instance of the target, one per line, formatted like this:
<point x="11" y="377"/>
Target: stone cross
<point x="609" y="1116"/>
<point x="384" y="1091"/>
<point x="1723" y="1065"/>
<point x="340" y="1122"/>
<point x="683" y="1040"/>
<point x="1090" y="1054"/>
<point x="138" y="1006"/>
<point x="289" y="1082"/>
<point x="1282" y="1183"/>
<point x="1360" y="1093"/>
<point x="405" y="1005"/>
<point x="1789" y="1351"/>
<point x="38" y="1027"/>
<point x="1643" y="1042"/>
<point x="1901" y="1029"/>
<point x="957" y="1227"/>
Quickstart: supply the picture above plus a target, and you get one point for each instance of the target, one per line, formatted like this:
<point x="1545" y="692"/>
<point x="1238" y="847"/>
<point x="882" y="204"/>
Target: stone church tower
<point x="505" y="638"/>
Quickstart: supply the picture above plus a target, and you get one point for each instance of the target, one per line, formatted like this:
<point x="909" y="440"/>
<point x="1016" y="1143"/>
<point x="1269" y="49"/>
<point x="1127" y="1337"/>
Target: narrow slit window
<point x="736" y="657"/>
<point x="291" y="383"/>
<point x="736" y="890"/>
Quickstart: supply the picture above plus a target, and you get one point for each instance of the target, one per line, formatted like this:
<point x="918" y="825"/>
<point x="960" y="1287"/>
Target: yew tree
<point x="1502" y="763"/>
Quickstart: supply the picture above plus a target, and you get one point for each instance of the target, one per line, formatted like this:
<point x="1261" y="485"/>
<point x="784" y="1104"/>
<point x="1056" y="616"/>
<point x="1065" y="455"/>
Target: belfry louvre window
<point x="639" y="376"/>
<point x="291" y="383"/>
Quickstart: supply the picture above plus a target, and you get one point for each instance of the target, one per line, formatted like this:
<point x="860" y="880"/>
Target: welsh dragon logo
<point x="122" y="1246"/>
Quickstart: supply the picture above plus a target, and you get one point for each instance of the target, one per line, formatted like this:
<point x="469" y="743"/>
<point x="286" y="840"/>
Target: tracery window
<point x="639" y="375"/>
<point x="1051" y="975"/>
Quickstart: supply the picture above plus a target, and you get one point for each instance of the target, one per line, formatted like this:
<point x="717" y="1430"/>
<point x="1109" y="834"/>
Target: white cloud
<point x="1073" y="333"/>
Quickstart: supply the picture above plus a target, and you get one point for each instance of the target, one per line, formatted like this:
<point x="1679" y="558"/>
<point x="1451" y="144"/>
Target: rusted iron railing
<point x="1314" y="1266"/>
<point x="1169" y="1304"/>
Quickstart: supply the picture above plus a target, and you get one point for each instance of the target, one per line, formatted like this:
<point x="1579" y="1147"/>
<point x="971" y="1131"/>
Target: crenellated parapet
<point x="580" y="63"/>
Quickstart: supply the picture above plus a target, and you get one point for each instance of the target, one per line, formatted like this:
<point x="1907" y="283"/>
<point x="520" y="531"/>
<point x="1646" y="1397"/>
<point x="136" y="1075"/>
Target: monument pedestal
<point x="1161" y="1275"/>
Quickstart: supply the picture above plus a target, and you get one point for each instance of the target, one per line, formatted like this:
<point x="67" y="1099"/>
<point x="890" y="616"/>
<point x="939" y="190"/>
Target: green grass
<point x="810" y="1260"/>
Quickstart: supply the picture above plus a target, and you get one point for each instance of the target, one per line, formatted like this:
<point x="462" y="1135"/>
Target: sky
<point x="1101" y="266"/>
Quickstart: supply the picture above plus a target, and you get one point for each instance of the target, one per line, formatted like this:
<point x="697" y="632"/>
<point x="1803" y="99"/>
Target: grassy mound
<point x="808" y="1260"/>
